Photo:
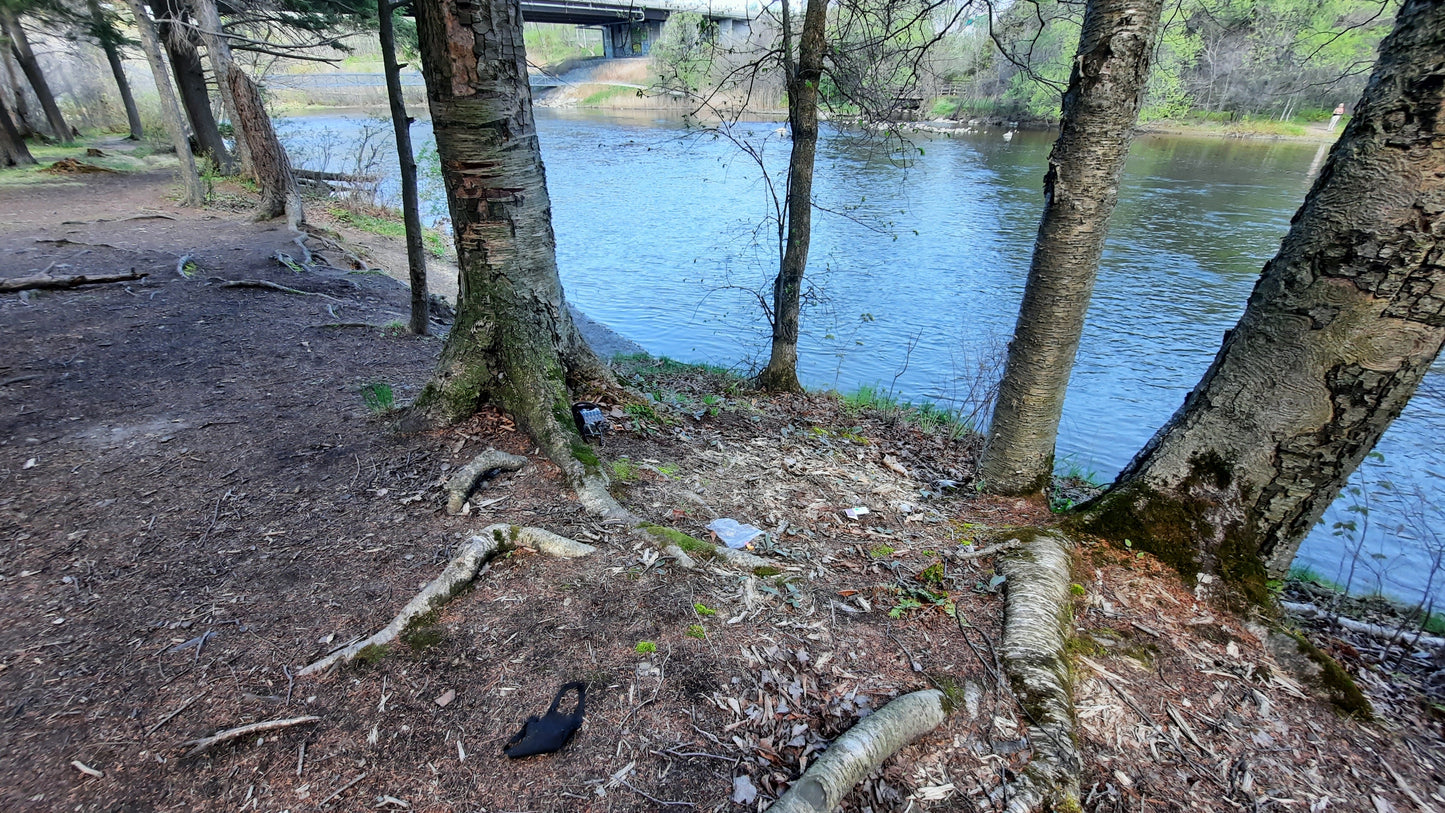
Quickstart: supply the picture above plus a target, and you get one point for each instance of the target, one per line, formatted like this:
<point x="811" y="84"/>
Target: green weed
<point x="645" y="647"/>
<point x="378" y="397"/>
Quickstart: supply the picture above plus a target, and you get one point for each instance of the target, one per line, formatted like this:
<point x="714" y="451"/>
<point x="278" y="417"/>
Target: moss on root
<point x="690" y="545"/>
<point x="1337" y="684"/>
<point x="371" y="655"/>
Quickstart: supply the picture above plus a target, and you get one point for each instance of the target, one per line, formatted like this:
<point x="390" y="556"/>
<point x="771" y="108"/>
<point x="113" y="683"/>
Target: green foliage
<point x="880" y="551"/>
<point x="624" y="471"/>
<point x="927" y="417"/>
<point x="645" y="647"/>
<point x="933" y="574"/>
<point x="378" y="397"/>
<point x="696" y="631"/>
<point x="1077" y="589"/>
<point x="388" y="223"/>
<point x="703" y="609"/>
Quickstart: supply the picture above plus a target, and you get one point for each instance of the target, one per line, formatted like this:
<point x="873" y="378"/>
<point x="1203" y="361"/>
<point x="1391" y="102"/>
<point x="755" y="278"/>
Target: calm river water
<point x="661" y="232"/>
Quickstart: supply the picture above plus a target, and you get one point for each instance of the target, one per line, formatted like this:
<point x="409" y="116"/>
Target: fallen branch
<point x="457" y="574"/>
<point x="206" y="743"/>
<point x="1372" y="630"/>
<point x="48" y="282"/>
<point x="979" y="553"/>
<point x="1036" y="621"/>
<point x="271" y="286"/>
<point x="464" y="480"/>
<point x="314" y="175"/>
<point x="861" y="750"/>
<point x="344" y="788"/>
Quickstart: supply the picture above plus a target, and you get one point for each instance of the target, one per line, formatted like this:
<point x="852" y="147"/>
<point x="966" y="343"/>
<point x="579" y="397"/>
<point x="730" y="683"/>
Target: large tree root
<point x="1405" y="637"/>
<point x="464" y="480"/>
<point x="205" y="743"/>
<point x="1037" y="614"/>
<point x="458" y="573"/>
<point x="861" y="750"/>
<point x="48" y="282"/>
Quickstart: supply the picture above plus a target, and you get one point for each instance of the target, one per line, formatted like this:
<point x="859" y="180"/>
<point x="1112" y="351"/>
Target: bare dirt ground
<point x="196" y="501"/>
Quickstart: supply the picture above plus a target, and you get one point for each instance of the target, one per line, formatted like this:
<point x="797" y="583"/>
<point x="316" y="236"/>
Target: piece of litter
<point x="743" y="791"/>
<point x="29" y="464"/>
<point x="907" y="508"/>
<point x="856" y="511"/>
<point x="86" y="769"/>
<point x="446" y="698"/>
<point x="734" y="534"/>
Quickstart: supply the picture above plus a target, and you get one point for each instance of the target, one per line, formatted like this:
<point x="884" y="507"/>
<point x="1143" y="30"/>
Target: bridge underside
<point x="629" y="30"/>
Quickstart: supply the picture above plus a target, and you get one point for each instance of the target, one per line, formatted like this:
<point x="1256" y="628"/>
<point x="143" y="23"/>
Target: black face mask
<point x="548" y="733"/>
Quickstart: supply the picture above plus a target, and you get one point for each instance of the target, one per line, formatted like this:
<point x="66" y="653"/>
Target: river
<point x="919" y="255"/>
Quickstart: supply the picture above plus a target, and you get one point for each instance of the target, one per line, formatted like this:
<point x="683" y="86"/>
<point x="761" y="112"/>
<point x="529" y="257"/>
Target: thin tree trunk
<point x="514" y="343"/>
<point x="1081" y="187"/>
<point x="219" y="51"/>
<point x="20" y="48"/>
<point x="191" y="80"/>
<point x="781" y="374"/>
<point x="410" y="203"/>
<point x="1340" y="329"/>
<point x="104" y="32"/>
<point x="22" y="111"/>
<point x="269" y="161"/>
<point x="13" y="150"/>
<point x="170" y="109"/>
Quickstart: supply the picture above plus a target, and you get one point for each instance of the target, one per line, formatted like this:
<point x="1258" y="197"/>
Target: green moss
<point x="371" y="655"/>
<point x="703" y="610"/>
<point x="764" y="571"/>
<point x="645" y="647"/>
<point x="953" y="693"/>
<point x="624" y="471"/>
<point x="696" y="631"/>
<point x="1336" y="682"/>
<point x="423" y="632"/>
<point x="1083" y="645"/>
<point x="584" y="455"/>
<point x="689" y="544"/>
<point x="1077" y="589"/>
<point x="880" y="551"/>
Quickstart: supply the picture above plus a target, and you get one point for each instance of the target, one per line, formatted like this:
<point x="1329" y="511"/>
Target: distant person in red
<point x="1335" y="119"/>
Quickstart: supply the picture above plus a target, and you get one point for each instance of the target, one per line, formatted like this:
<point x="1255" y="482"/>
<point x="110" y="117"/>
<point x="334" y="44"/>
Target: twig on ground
<point x="47" y="282"/>
<point x="654" y="799"/>
<point x="344" y="788"/>
<point x="271" y="286"/>
<point x="206" y="743"/>
<point x="172" y="715"/>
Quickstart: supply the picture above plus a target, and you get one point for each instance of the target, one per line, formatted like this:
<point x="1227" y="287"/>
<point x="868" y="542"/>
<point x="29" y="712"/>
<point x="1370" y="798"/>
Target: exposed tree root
<point x="1409" y="638"/>
<point x="271" y="286"/>
<point x="687" y="550"/>
<point x="1037" y="614"/>
<point x="464" y="480"/>
<point x="458" y="573"/>
<point x="861" y="750"/>
<point x="205" y="743"/>
<point x="48" y="282"/>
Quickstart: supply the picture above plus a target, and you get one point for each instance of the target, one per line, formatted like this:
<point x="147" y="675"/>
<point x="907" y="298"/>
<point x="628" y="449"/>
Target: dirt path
<point x="197" y="501"/>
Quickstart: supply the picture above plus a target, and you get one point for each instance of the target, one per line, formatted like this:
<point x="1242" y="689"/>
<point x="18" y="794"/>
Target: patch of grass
<point x="378" y="397"/>
<point x="645" y="647"/>
<point x="605" y="94"/>
<point x="927" y="417"/>
<point x="387" y="223"/>
<point x="696" y="631"/>
<point x="1265" y="127"/>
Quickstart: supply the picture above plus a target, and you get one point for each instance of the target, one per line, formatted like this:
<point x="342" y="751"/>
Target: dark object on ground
<point x="590" y="421"/>
<point x="543" y="735"/>
<point x="70" y="166"/>
<point x="92" y="152"/>
<point x="45" y="281"/>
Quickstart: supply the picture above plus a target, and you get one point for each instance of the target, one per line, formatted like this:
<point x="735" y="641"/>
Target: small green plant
<point x="378" y="397"/>
<point x="933" y="574"/>
<point x="1077" y="589"/>
<point x="624" y="471"/>
<point x="643" y="412"/>
<point x="703" y="609"/>
<point x="394" y="328"/>
<point x="696" y="631"/>
<point x="667" y="469"/>
<point x="645" y="647"/>
<point x="880" y="551"/>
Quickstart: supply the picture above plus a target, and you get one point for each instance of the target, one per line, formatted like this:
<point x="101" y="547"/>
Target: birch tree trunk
<point x="410" y="201"/>
<point x="13" y="150"/>
<point x="20" y="48"/>
<point x="781" y="374"/>
<point x="191" y="80"/>
<point x="1081" y="187"/>
<point x="269" y="162"/>
<point x="514" y="343"/>
<point x="1341" y="327"/>
<point x="219" y="52"/>
<point x="170" y="109"/>
<point x="104" y="32"/>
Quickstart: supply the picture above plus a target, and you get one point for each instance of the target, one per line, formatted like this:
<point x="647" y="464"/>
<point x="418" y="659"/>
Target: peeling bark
<point x="1081" y="187"/>
<point x="860" y="750"/>
<point x="1342" y="325"/>
<point x="459" y="572"/>
<point x="513" y="343"/>
<point x="170" y="109"/>
<point x="1037" y="615"/>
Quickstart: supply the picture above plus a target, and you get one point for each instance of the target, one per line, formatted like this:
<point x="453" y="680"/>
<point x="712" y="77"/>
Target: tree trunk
<point x="20" y="48"/>
<point x="514" y="342"/>
<point x="170" y="109"/>
<point x="410" y="203"/>
<point x="191" y="80"/>
<point x="1341" y="327"/>
<point x="21" y="112"/>
<point x="105" y="34"/>
<point x="781" y="374"/>
<point x="219" y="51"/>
<point x="1081" y="187"/>
<point x="13" y="151"/>
<point x="269" y="161"/>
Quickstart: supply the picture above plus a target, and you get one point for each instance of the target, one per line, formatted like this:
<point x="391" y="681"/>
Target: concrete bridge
<point x="631" y="28"/>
